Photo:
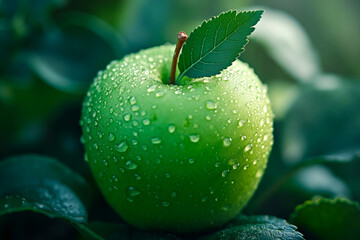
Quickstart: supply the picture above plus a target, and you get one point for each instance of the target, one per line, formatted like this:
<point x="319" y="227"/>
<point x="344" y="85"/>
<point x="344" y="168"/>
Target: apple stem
<point x="182" y="37"/>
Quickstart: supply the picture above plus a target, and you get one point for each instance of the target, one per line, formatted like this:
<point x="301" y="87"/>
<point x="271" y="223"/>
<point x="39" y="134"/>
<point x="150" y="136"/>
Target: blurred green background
<point x="307" y="52"/>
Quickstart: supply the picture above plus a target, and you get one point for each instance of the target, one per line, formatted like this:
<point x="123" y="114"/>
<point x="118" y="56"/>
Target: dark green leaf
<point x="329" y="175"/>
<point x="256" y="227"/>
<point x="102" y="230"/>
<point x="328" y="219"/>
<point x="277" y="33"/>
<point x="119" y="231"/>
<point x="41" y="184"/>
<point x="217" y="43"/>
<point x="63" y="60"/>
<point x="324" y="119"/>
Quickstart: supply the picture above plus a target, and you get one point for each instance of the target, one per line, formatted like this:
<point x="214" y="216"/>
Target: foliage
<point x="216" y="44"/>
<point x="51" y="50"/>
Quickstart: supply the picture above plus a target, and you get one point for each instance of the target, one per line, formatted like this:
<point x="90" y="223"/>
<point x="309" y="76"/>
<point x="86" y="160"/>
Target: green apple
<point x="180" y="158"/>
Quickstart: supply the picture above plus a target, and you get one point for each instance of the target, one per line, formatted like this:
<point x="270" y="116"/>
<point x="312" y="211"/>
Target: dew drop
<point x="130" y="165"/>
<point x="86" y="157"/>
<point x="225" y="173"/>
<point x="135" y="108"/>
<point x="151" y="88"/>
<point x="137" y="176"/>
<point x="146" y="121"/>
<point x="96" y="146"/>
<point x="248" y="147"/>
<point x="226" y="207"/>
<point x="265" y="109"/>
<point x="127" y="117"/>
<point x="159" y="93"/>
<point x="122" y="147"/>
<point x="208" y="117"/>
<point x="211" y="105"/>
<point x="241" y="123"/>
<point x="266" y="137"/>
<point x="133" y="192"/>
<point x="194" y="138"/>
<point x="155" y="140"/>
<point x="111" y="137"/>
<point x="191" y="160"/>
<point x="173" y="194"/>
<point x="165" y="204"/>
<point x="262" y="122"/>
<point x="171" y="128"/>
<point x="227" y="142"/>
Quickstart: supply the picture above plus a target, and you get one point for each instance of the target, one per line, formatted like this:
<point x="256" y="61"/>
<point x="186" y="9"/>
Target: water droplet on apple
<point x="191" y="160"/>
<point x="194" y="138"/>
<point x="173" y="194"/>
<point x="167" y="175"/>
<point x="208" y="117"/>
<point x="137" y="176"/>
<point x="241" y="123"/>
<point x="133" y="192"/>
<point x="171" y="128"/>
<point x="262" y="122"/>
<point x="132" y="100"/>
<point x="86" y="157"/>
<point x="225" y="173"/>
<point x="135" y="108"/>
<point x="266" y="137"/>
<point x="246" y="167"/>
<point x="111" y="137"/>
<point x="96" y="146"/>
<point x="160" y="93"/>
<point x="231" y="161"/>
<point x="265" y="109"/>
<point x="248" y="147"/>
<point x="155" y="140"/>
<point x="122" y="147"/>
<point x="227" y="142"/>
<point x="105" y="162"/>
<point x="165" y="204"/>
<point x="152" y="88"/>
<point x="226" y="207"/>
<point x="130" y="165"/>
<point x="127" y="117"/>
<point x="211" y="105"/>
<point x="115" y="178"/>
<point x="146" y="121"/>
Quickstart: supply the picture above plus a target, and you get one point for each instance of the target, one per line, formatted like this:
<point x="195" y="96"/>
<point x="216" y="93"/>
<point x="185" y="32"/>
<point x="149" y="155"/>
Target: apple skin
<point x="179" y="158"/>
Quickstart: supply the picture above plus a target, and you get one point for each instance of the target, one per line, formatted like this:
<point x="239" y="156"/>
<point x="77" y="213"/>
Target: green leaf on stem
<point x="216" y="44"/>
<point x="329" y="219"/>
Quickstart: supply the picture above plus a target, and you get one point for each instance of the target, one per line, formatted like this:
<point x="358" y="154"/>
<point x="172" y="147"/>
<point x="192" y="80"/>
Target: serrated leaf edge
<point x="205" y="22"/>
<point x="319" y="201"/>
